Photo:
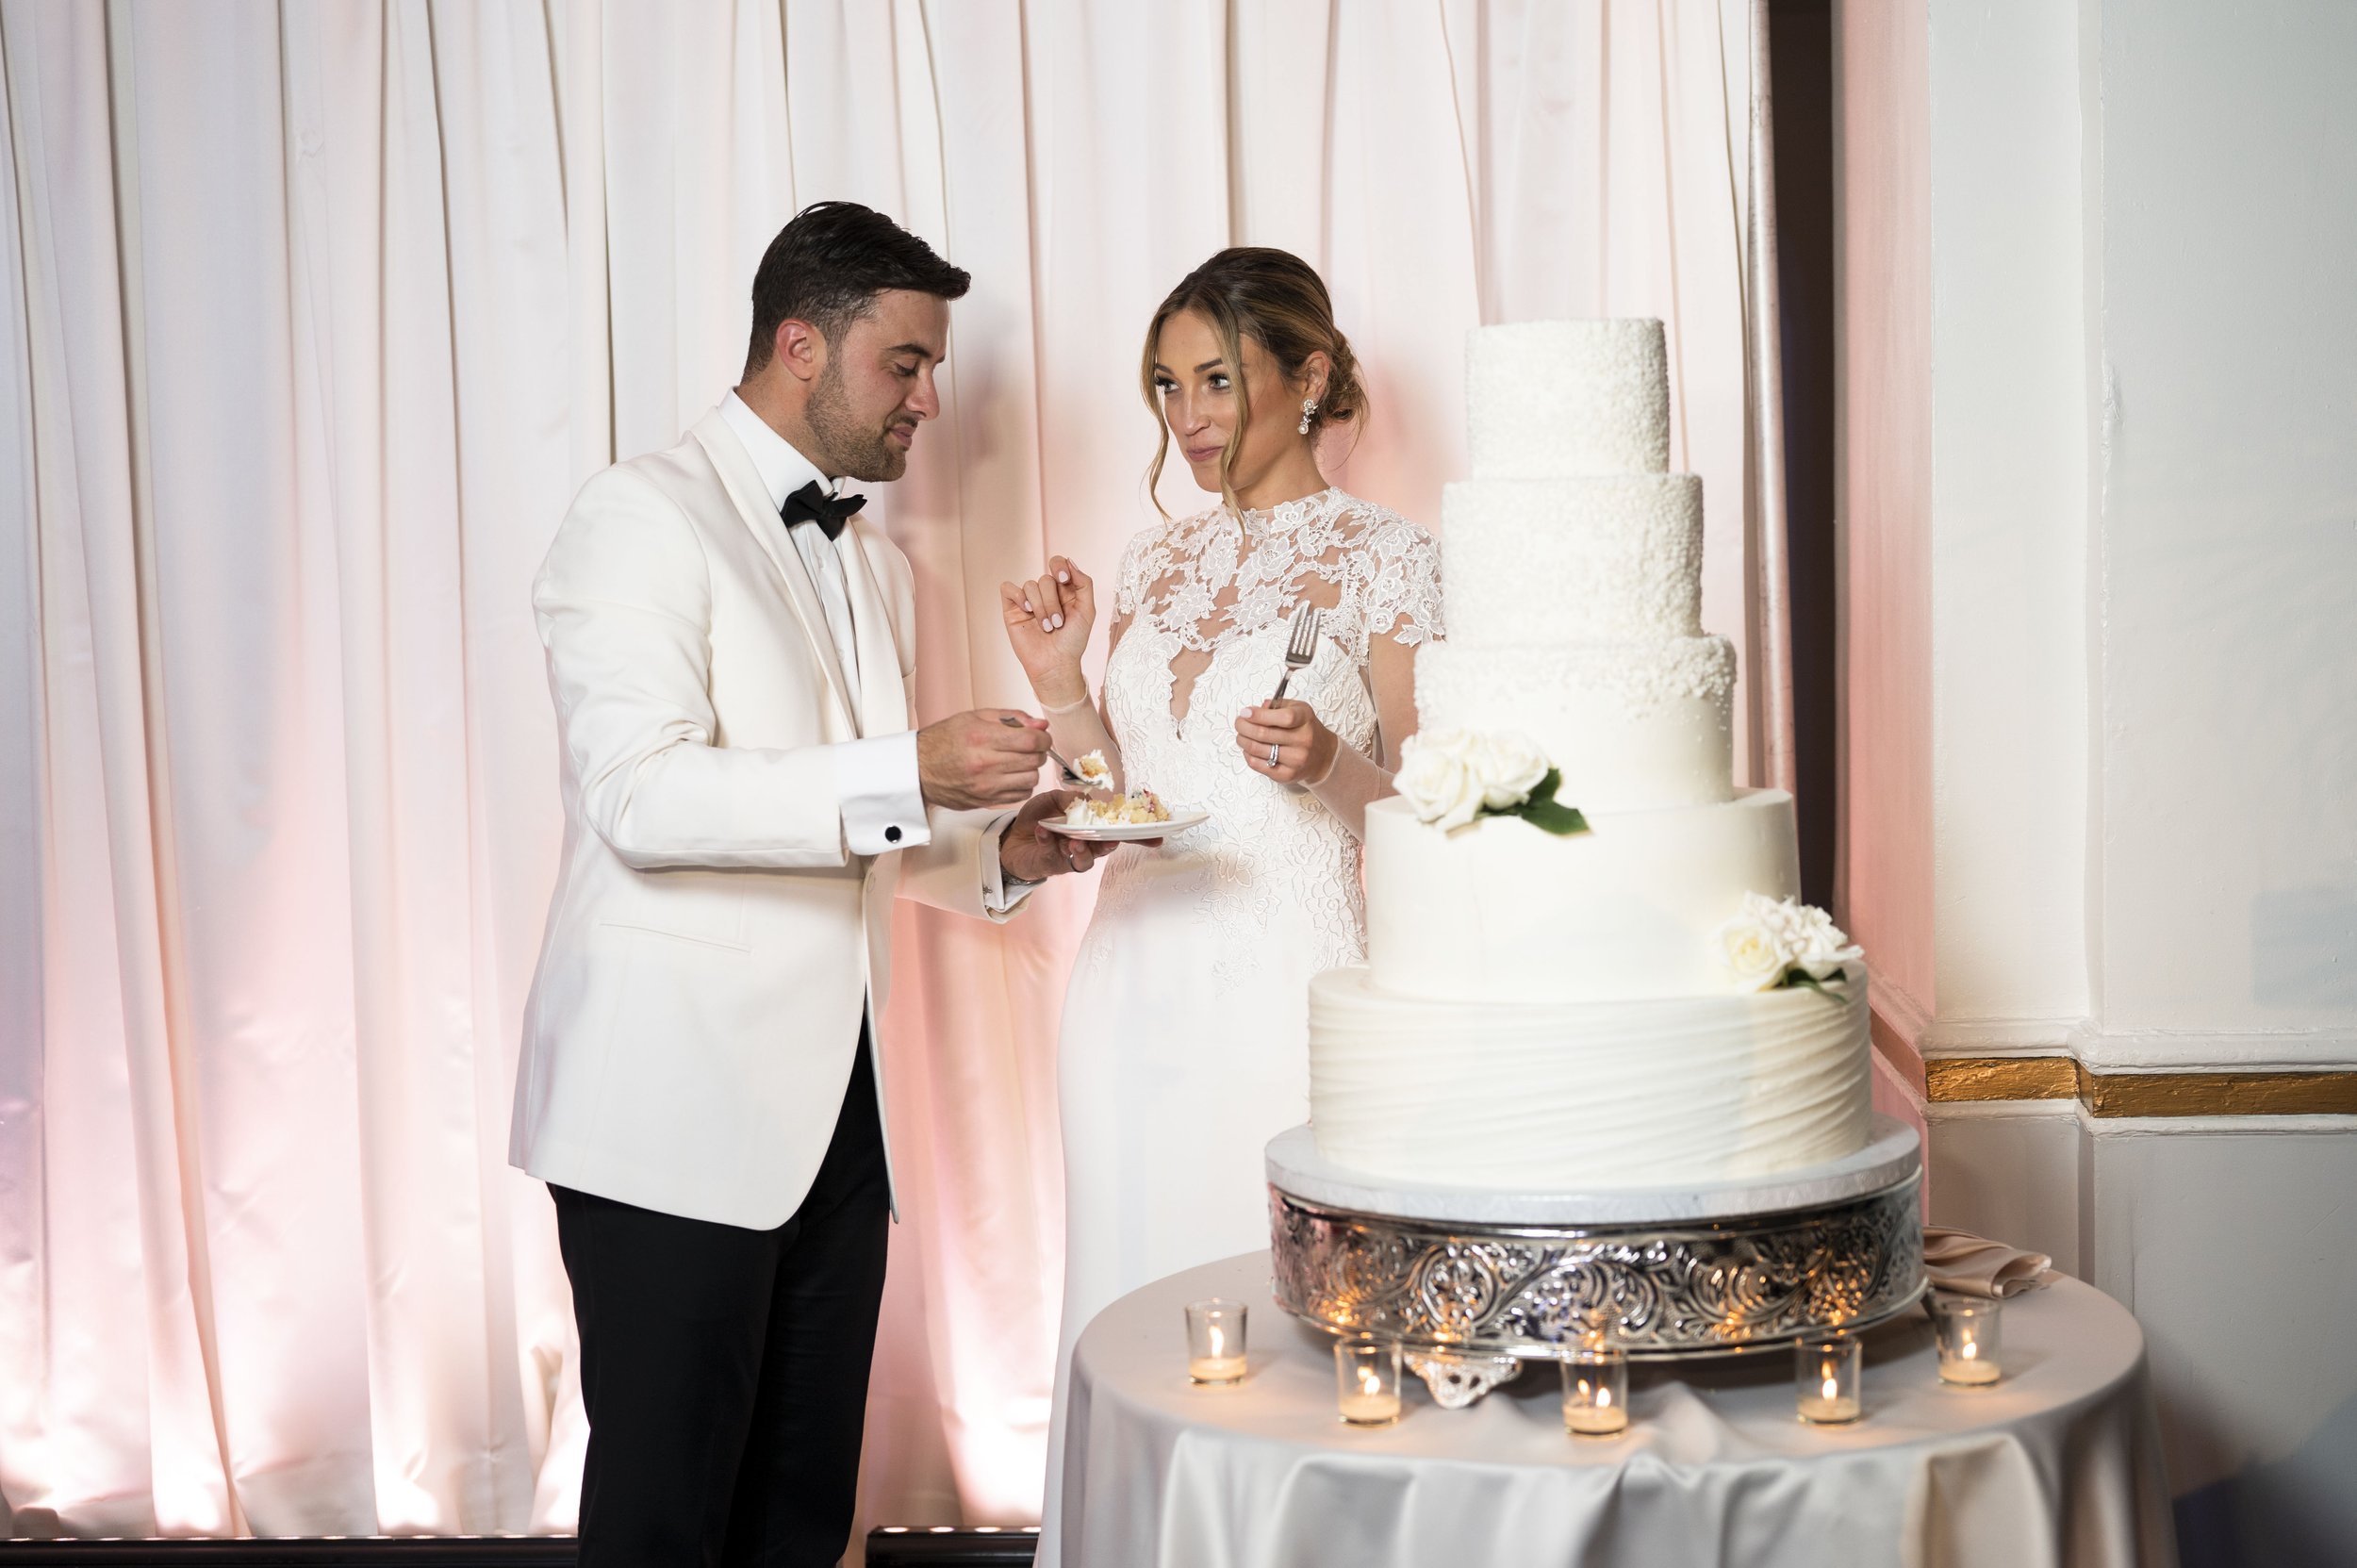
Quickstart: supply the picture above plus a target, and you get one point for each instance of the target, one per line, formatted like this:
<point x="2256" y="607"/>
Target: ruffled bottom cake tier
<point x="1586" y="1096"/>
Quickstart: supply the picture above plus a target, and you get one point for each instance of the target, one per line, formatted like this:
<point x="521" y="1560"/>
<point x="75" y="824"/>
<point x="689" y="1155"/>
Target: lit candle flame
<point x="1368" y="1380"/>
<point x="1603" y="1398"/>
<point x="1972" y="1351"/>
<point x="1832" y="1389"/>
<point x="1218" y="1339"/>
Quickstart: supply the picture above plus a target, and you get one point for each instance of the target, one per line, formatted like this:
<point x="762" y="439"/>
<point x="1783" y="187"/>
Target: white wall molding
<point x="1947" y="1037"/>
<point x="2140" y="1050"/>
<point x="1941" y="1112"/>
<point x="1945" y="1114"/>
<point x="1900" y="1012"/>
<point x="2105" y="1128"/>
<point x="2152" y="1050"/>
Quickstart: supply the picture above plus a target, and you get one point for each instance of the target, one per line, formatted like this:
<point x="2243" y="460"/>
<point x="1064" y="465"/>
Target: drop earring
<point x="1309" y="409"/>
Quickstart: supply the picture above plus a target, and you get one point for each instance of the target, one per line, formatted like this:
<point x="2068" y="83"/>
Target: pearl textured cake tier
<point x="1630" y="724"/>
<point x="1631" y="543"/>
<point x="1548" y="400"/>
<point x="1586" y="1096"/>
<point x="1501" y="912"/>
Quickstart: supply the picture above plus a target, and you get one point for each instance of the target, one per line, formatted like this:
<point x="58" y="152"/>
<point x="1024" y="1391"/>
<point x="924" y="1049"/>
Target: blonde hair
<point x="1279" y="302"/>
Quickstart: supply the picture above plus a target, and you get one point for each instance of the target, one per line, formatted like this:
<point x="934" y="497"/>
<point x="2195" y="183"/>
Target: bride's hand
<point x="1303" y="747"/>
<point x="1048" y="621"/>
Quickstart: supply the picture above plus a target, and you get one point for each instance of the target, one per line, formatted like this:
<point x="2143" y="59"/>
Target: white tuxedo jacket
<point x="711" y="942"/>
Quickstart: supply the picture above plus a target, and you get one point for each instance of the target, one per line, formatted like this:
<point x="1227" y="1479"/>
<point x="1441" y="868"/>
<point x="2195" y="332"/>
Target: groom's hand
<point x="1029" y="851"/>
<point x="979" y="759"/>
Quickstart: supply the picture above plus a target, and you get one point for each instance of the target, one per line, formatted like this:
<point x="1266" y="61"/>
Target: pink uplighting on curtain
<point x="312" y="318"/>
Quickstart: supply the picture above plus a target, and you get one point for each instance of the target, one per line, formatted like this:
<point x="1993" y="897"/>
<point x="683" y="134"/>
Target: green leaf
<point x="1806" y="981"/>
<point x="1544" y="791"/>
<point x="1551" y="814"/>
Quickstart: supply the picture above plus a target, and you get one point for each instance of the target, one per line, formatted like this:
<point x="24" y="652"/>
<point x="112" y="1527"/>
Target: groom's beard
<point x="854" y="450"/>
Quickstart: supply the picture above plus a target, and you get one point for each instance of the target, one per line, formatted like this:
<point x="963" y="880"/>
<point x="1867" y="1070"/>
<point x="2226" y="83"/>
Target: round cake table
<point x="2057" y="1464"/>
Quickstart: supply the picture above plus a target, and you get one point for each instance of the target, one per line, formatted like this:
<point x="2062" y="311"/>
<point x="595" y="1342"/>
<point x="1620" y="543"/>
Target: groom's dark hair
<point x="827" y="266"/>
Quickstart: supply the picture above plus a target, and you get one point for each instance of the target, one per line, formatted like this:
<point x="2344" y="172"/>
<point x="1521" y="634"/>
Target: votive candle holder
<point x="1366" y="1381"/>
<point x="1828" y="1373"/>
<point x="1970" y="1345"/>
<point x="1595" y="1388"/>
<point x="1215" y="1341"/>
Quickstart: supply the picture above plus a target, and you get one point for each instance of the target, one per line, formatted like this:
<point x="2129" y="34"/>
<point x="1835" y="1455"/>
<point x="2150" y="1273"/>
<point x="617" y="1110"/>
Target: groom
<point x="732" y="649"/>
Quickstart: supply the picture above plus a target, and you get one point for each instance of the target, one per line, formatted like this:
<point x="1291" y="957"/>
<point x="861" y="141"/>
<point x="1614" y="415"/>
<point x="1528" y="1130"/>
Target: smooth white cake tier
<point x="1504" y="911"/>
<point x="1633" y="725"/>
<point x="1585" y="1097"/>
<point x="1573" y="560"/>
<point x="1550" y="398"/>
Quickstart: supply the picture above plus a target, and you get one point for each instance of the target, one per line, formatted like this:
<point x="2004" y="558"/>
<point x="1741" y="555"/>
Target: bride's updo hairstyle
<point x="1278" y="301"/>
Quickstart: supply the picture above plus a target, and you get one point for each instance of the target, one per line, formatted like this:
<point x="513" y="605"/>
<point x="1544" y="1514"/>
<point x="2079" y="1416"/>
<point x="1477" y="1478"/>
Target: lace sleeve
<point x="1403" y="591"/>
<point x="1142" y="561"/>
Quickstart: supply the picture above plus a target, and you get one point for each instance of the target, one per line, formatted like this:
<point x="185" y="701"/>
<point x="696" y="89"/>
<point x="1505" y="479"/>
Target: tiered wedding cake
<point x="1623" y="1006"/>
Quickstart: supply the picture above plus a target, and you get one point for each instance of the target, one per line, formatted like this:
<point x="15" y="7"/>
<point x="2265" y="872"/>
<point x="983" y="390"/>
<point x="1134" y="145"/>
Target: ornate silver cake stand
<point x="1474" y="1282"/>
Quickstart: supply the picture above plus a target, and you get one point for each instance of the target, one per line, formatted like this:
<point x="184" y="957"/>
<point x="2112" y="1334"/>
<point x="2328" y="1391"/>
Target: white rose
<point x="1826" y="949"/>
<point x="1509" y="766"/>
<point x="1436" y="777"/>
<point x="1782" y="919"/>
<point x="1799" y="936"/>
<point x="1753" y="955"/>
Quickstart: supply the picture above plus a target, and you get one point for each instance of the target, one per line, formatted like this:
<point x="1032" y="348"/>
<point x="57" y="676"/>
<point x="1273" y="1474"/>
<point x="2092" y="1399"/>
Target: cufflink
<point x="892" y="835"/>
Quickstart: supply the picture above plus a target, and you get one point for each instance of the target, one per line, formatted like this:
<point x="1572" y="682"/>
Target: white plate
<point x="1180" y="822"/>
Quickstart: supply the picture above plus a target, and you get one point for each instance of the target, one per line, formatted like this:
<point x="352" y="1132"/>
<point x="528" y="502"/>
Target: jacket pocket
<point x="701" y="906"/>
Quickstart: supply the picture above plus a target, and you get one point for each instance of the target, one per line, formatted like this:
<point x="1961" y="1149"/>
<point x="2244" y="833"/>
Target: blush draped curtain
<point x="313" y="318"/>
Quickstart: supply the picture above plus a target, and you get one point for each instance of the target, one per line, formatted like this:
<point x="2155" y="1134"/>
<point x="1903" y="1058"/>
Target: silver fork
<point x="1071" y="773"/>
<point x="1301" y="645"/>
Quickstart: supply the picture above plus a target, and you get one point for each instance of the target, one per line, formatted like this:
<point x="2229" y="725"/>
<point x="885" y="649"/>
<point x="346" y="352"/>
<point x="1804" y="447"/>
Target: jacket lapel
<point x="744" y="488"/>
<point x="883" y="694"/>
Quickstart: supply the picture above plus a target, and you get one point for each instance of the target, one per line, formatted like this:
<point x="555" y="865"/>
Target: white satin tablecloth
<point x="2057" y="1465"/>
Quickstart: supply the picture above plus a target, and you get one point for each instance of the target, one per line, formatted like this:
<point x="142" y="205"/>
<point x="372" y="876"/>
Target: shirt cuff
<point x="876" y="789"/>
<point x="1001" y="894"/>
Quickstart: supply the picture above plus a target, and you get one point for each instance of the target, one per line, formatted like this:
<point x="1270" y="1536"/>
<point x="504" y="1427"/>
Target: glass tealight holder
<point x="1366" y="1381"/>
<point x="1969" y="1343"/>
<point x="1215" y="1341"/>
<point x="1827" y="1375"/>
<point x="1595" y="1388"/>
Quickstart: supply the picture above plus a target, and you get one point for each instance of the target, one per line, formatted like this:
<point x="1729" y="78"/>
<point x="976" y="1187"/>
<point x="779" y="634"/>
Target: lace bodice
<point x="1205" y="604"/>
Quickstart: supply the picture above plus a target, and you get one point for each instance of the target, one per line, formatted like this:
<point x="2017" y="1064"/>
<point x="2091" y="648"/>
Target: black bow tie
<point x="812" y="503"/>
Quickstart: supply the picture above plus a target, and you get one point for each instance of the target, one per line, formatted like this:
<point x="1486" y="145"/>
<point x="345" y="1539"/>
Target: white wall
<point x="2223" y="217"/>
<point x="2227" y="705"/>
<point x="2011" y="1169"/>
<point x="2008" y="487"/>
<point x="2232" y="1242"/>
<point x="2100" y="404"/>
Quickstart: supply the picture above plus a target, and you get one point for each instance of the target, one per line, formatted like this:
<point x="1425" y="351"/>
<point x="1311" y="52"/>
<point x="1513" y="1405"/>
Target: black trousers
<point x="725" y="1370"/>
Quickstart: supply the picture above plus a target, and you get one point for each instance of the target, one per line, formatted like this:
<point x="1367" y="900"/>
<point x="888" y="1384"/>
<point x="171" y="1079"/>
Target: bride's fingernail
<point x="1063" y="577"/>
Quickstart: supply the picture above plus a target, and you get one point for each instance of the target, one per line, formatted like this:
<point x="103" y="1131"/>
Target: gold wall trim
<point x="1973" y="1078"/>
<point x="1963" y="1079"/>
<point x="2282" y="1094"/>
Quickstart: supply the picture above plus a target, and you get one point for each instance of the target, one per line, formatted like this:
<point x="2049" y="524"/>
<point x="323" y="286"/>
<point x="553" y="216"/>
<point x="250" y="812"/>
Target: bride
<point x="1185" y="1027"/>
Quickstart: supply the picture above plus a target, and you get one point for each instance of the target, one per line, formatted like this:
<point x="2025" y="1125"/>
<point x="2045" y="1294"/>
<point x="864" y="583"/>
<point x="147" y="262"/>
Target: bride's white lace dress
<point x="1185" y="1029"/>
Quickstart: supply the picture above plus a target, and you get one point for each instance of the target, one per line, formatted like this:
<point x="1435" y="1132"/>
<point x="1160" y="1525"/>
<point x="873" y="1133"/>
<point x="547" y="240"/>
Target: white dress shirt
<point x="875" y="779"/>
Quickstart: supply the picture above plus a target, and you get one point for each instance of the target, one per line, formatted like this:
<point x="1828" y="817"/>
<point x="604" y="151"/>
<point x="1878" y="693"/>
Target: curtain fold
<point x="313" y="318"/>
